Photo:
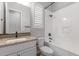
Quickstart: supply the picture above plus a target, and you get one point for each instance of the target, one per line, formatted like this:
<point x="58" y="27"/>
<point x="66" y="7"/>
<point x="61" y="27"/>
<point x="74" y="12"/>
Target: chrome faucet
<point x="50" y="39"/>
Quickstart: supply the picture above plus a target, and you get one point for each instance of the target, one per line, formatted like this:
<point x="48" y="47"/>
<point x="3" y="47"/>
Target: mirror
<point x="14" y="17"/>
<point x="14" y="21"/>
<point x="17" y="18"/>
<point x="1" y="18"/>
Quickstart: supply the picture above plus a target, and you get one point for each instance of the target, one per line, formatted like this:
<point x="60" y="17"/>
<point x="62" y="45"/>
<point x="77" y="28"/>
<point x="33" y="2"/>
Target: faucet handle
<point x="16" y="34"/>
<point x="50" y="38"/>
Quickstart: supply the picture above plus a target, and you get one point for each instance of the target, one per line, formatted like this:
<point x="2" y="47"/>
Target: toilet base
<point x="45" y="54"/>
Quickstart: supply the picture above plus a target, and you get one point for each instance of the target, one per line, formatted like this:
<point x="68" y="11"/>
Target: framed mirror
<point x="14" y="21"/>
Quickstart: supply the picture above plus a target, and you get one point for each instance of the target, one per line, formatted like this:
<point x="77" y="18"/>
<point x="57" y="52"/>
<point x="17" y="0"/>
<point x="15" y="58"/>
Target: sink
<point x="12" y="40"/>
<point x="16" y="40"/>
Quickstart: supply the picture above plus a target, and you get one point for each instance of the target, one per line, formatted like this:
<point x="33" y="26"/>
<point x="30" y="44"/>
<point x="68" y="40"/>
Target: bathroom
<point x="39" y="28"/>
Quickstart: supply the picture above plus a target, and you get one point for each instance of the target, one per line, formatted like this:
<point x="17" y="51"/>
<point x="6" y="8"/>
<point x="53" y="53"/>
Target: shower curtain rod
<point x="49" y="5"/>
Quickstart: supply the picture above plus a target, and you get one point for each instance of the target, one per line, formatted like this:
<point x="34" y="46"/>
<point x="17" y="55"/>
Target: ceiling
<point x="45" y="4"/>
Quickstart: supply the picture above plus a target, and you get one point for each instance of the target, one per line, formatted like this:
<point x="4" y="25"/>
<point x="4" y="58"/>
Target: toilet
<point x="45" y="50"/>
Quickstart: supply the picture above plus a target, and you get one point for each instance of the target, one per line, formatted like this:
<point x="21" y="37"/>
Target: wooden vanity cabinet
<point x="21" y="49"/>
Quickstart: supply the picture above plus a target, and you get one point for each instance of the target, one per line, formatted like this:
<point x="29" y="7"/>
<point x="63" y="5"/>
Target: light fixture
<point x="64" y="19"/>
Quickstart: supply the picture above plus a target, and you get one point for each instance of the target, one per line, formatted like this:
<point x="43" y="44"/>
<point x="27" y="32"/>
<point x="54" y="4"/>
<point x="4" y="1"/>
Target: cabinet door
<point x="29" y="52"/>
<point x="7" y="50"/>
<point x="26" y="45"/>
<point x="15" y="54"/>
<point x="1" y="17"/>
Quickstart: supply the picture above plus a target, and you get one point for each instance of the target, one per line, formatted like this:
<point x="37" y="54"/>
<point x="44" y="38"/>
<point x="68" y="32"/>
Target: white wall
<point x="25" y="13"/>
<point x="37" y="31"/>
<point x="65" y="28"/>
<point x="58" y="5"/>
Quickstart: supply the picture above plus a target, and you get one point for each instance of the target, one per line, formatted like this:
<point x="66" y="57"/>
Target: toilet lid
<point x="46" y="49"/>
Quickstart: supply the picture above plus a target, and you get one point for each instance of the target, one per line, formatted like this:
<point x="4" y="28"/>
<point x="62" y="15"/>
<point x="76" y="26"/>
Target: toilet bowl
<point x="45" y="50"/>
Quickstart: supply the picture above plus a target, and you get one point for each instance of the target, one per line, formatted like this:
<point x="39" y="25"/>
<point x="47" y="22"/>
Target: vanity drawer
<point x="7" y="50"/>
<point x="26" y="45"/>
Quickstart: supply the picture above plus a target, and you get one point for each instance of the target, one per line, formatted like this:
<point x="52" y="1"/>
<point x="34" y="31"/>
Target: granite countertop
<point x="11" y="41"/>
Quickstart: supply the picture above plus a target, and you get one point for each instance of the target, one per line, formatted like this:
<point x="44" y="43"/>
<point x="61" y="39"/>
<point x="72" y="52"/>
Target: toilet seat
<point x="47" y="50"/>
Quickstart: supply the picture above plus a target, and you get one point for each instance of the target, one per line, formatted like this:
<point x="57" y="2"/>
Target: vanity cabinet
<point x="20" y="49"/>
<point x="27" y="49"/>
<point x="6" y="50"/>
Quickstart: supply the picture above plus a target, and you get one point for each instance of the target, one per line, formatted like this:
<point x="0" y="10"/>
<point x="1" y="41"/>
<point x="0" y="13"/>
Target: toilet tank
<point x="40" y="41"/>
